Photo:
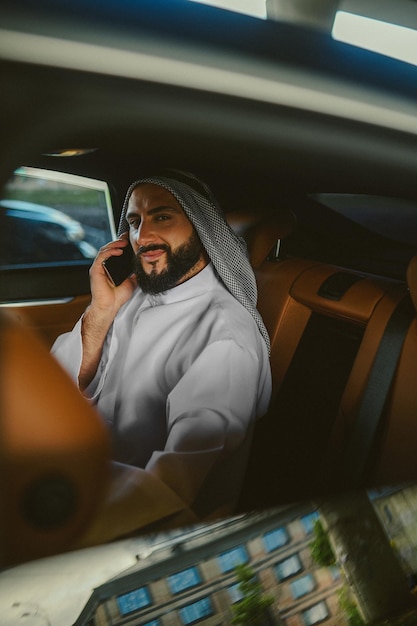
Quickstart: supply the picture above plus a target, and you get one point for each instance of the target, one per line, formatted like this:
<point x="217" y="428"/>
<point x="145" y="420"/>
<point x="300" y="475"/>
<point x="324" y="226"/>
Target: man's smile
<point x="151" y="253"/>
<point x="152" y="256"/>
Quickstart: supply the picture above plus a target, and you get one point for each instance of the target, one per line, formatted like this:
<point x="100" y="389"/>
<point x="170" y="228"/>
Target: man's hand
<point x="106" y="300"/>
<point x="105" y="297"/>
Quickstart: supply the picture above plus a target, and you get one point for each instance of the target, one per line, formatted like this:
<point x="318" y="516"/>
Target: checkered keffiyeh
<point x="226" y="250"/>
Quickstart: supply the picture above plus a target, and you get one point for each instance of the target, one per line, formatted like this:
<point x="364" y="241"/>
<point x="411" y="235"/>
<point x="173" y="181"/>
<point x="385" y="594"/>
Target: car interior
<point x="339" y="298"/>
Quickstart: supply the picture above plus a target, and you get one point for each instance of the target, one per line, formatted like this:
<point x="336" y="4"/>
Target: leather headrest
<point x="262" y="232"/>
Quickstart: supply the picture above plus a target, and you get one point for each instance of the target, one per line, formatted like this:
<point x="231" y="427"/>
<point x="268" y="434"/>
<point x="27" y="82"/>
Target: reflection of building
<point x="191" y="577"/>
<point x="397" y="510"/>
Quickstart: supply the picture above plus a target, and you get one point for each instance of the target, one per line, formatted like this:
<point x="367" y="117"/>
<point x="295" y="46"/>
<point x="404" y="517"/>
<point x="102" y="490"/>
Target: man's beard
<point x="178" y="264"/>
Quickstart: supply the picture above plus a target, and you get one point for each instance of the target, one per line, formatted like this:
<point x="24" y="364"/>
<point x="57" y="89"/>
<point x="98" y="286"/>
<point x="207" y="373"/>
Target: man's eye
<point x="134" y="224"/>
<point x="162" y="218"/>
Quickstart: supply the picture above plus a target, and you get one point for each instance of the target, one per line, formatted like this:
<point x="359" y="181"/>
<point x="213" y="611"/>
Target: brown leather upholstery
<point x="288" y="297"/>
<point x="51" y="320"/>
<point x="54" y="450"/>
<point x="288" y="294"/>
<point x="261" y="232"/>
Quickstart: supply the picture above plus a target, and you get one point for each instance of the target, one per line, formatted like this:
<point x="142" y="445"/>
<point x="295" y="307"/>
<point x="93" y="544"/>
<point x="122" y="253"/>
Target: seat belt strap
<point x="374" y="397"/>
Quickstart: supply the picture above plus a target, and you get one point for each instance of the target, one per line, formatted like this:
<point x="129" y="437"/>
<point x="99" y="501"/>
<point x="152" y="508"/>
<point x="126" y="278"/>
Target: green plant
<point x="349" y="607"/>
<point x="321" y="549"/>
<point x="251" y="609"/>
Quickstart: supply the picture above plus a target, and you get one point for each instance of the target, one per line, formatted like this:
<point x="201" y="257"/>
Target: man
<point x="175" y="358"/>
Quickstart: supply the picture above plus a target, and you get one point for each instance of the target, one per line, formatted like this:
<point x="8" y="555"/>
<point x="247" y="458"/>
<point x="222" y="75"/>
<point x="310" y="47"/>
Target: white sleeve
<point x="209" y="414"/>
<point x="135" y="499"/>
<point x="68" y="351"/>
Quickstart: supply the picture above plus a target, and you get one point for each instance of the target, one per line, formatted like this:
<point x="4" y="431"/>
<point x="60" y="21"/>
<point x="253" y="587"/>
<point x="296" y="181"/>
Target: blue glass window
<point x="134" y="600"/>
<point x="228" y="560"/>
<point x="308" y="522"/>
<point x="153" y="622"/>
<point x="235" y="593"/>
<point x="315" y="614"/>
<point x="288" y="567"/>
<point x="196" y="611"/>
<point x="184" y="580"/>
<point x="302" y="586"/>
<point x="275" y="539"/>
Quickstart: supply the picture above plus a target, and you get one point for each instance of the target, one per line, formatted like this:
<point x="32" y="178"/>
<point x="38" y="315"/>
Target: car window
<point x="50" y="218"/>
<point x="366" y="233"/>
<point x="51" y="227"/>
<point x="377" y="213"/>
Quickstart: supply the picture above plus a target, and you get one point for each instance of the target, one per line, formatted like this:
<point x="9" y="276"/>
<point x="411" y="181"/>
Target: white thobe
<point x="182" y="377"/>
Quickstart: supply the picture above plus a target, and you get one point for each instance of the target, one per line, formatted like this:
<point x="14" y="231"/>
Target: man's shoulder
<point x="234" y="321"/>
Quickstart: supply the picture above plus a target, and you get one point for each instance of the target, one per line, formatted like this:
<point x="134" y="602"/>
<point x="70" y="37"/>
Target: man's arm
<point x="106" y="300"/>
<point x="94" y="328"/>
<point x="80" y="353"/>
<point x="207" y="425"/>
<point x="210" y="413"/>
<point x="135" y="500"/>
<point x="199" y="473"/>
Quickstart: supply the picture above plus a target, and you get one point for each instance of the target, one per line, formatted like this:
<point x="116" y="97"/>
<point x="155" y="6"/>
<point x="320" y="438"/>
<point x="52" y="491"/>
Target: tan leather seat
<point x="54" y="451"/>
<point x="261" y="231"/>
<point x="322" y="351"/>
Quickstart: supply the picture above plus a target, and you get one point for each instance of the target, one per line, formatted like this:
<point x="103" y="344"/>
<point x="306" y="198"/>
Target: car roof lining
<point x="160" y="126"/>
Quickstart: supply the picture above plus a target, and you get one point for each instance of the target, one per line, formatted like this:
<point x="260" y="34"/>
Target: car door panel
<point x="53" y="318"/>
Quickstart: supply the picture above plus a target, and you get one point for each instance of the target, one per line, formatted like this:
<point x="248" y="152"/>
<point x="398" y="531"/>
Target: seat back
<point x="326" y="325"/>
<point x="54" y="454"/>
<point x="262" y="232"/>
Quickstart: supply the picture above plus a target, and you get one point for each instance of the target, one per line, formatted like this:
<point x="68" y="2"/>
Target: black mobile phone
<point x="118" y="268"/>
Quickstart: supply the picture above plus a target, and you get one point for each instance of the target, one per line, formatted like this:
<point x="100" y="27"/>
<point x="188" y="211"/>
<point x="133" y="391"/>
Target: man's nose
<point x="145" y="233"/>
